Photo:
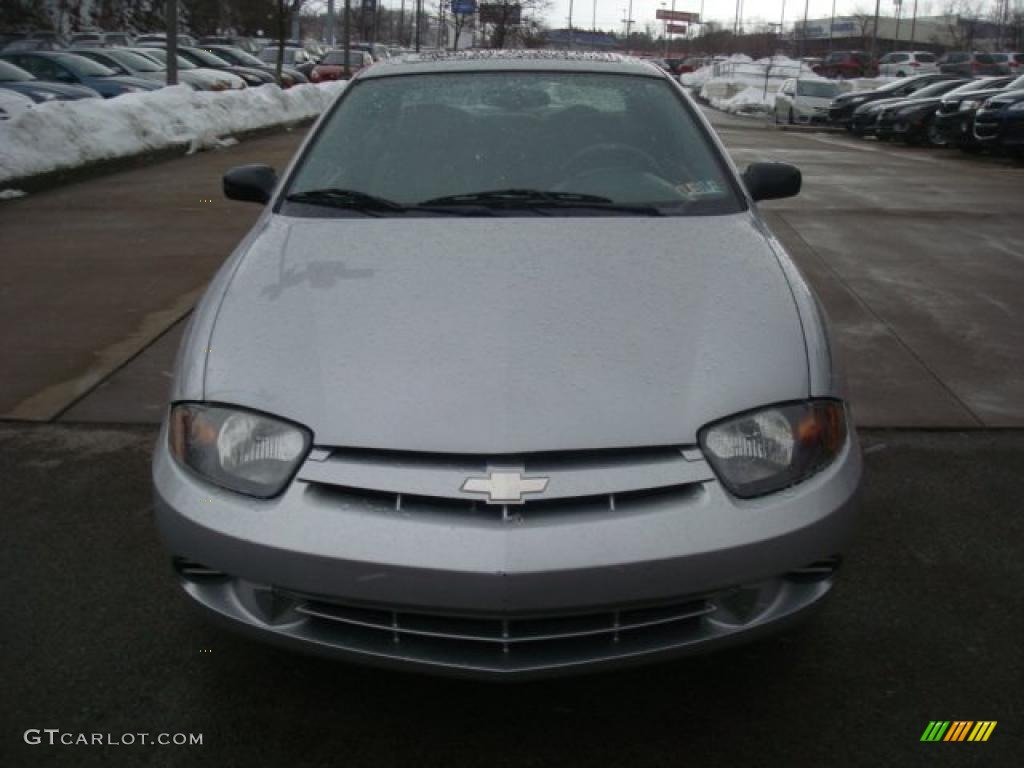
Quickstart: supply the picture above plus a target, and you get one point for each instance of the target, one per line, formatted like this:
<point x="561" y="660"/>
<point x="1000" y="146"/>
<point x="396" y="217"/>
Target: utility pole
<point x="593" y="19"/>
<point x="401" y="24"/>
<point x="172" y="42"/>
<point x="803" y="31"/>
<point x="570" y="25"/>
<point x="348" y="36"/>
<point x="629" y="21"/>
<point x="419" y="9"/>
<point x="331" y="35"/>
<point x="874" y="33"/>
<point x="899" y="13"/>
<point x="832" y="23"/>
<point x="913" y="25"/>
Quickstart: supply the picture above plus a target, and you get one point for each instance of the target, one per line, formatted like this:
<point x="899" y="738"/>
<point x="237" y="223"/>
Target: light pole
<point x="899" y="14"/>
<point x="172" y="42"/>
<point x="913" y="24"/>
<point x="803" y="29"/>
<point x="593" y="18"/>
<point x="831" y="23"/>
<point x="874" y="33"/>
<point x="570" y="25"/>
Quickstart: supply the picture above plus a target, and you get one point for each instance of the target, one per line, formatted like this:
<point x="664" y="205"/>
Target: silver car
<point x="509" y="379"/>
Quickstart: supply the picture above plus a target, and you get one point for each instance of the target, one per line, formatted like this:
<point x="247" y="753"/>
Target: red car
<point x="847" y="64"/>
<point x="332" y="66"/>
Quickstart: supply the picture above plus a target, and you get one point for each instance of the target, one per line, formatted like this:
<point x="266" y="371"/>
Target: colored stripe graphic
<point x="958" y="730"/>
<point x="935" y="730"/>
<point x="982" y="730"/>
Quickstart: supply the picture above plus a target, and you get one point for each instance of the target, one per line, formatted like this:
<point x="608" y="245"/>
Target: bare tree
<point x="284" y="10"/>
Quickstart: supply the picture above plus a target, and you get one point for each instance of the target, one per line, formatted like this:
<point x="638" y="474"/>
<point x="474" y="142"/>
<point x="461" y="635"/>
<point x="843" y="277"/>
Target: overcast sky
<point x="611" y="12"/>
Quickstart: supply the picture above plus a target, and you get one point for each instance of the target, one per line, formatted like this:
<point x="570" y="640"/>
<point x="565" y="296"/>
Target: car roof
<point x="517" y="60"/>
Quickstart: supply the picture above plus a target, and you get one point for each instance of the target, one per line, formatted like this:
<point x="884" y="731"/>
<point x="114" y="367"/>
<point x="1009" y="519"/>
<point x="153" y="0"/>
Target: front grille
<point x="503" y="634"/>
<point x="620" y="482"/>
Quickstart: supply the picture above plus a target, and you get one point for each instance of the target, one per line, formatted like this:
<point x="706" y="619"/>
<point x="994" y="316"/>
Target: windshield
<point x="621" y="138"/>
<point x="134" y="61"/>
<point x="355" y="58"/>
<point x="161" y="56"/>
<point x="207" y="59"/>
<point x="817" y="90"/>
<point x="937" y="89"/>
<point x="238" y="56"/>
<point x="12" y="74"/>
<point x="84" y="67"/>
<point x="269" y="54"/>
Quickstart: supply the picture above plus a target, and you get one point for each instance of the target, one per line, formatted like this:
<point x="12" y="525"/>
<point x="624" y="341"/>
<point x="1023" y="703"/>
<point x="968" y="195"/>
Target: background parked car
<point x="295" y="58"/>
<point x="841" y="111"/>
<point x="972" y="63"/>
<point x="954" y="119"/>
<point x="333" y="66"/>
<point x="910" y="120"/>
<point x="847" y="64"/>
<point x="866" y="117"/>
<point x="162" y="39"/>
<point x="13" y="78"/>
<point x="999" y="124"/>
<point x="246" y="44"/>
<point x="125" y="62"/>
<point x="804" y="100"/>
<point x="1014" y="61"/>
<point x="70" y="68"/>
<point x="907" y="63"/>
<point x="13" y="104"/>
<point x="99" y="39"/>
<point x="240" y="58"/>
<point x="210" y="79"/>
<point x="33" y="44"/>
<point x="377" y="51"/>
<point x="207" y="60"/>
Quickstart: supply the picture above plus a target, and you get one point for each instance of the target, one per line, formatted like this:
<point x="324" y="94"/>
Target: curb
<point x="62" y="176"/>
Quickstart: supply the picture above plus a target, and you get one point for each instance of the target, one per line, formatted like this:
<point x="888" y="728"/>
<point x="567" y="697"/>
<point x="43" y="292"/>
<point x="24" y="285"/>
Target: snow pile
<point x="747" y="101"/>
<point x="67" y="134"/>
<point x="744" y="70"/>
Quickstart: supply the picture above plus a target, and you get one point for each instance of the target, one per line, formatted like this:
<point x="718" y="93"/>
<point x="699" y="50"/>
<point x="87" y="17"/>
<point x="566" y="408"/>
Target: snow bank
<point x="747" y="101"/>
<point x="67" y="134"/>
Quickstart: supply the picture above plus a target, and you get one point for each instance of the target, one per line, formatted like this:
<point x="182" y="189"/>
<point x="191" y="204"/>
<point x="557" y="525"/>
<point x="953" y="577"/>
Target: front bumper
<point x="996" y="130"/>
<point x="956" y="127"/>
<point x="506" y="598"/>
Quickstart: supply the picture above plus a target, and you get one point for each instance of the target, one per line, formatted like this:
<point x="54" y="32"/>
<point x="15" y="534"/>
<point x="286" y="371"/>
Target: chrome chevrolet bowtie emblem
<point x="504" y="487"/>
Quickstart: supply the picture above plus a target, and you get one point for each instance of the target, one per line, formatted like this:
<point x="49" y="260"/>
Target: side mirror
<point x="771" y="181"/>
<point x="250" y="183"/>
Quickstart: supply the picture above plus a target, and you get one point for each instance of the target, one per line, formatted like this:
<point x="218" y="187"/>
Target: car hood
<point x="59" y="89"/>
<point x="135" y="82"/>
<point x="507" y="335"/>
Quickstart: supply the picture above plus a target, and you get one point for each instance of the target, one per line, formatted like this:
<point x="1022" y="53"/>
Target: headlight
<point x="240" y="450"/>
<point x="44" y="95"/>
<point x="129" y="89"/>
<point x="966" y="105"/>
<point x="770" y="449"/>
<point x="1018" y="107"/>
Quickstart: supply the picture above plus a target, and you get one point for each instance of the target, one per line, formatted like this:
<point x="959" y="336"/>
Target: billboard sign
<point x="677" y="29"/>
<point x="684" y="16"/>
<point x="463" y="7"/>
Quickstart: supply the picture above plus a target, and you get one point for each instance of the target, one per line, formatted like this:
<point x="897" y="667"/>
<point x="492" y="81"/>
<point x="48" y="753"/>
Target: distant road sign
<point x="463" y="7"/>
<point x="686" y="16"/>
<point x="677" y="29"/>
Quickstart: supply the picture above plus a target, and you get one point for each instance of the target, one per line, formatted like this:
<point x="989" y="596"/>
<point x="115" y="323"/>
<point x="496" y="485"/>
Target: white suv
<point x="907" y="63"/>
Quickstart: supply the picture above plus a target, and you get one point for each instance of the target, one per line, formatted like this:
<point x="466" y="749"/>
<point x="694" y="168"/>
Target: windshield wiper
<point x="538" y="199"/>
<point x="371" y="204"/>
<point x="345" y="198"/>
